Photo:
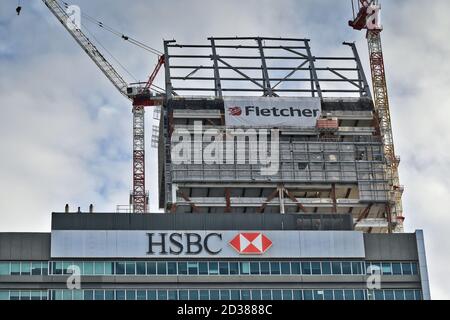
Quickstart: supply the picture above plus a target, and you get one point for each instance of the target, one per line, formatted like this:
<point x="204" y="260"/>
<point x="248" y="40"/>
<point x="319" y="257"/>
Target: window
<point x="414" y="269"/>
<point x="265" y="267"/>
<point x="203" y="268"/>
<point x="109" y="294"/>
<point x="161" y="268"/>
<point x="336" y="267"/>
<point x="328" y="294"/>
<point x="234" y="268"/>
<point x="151" y="268"/>
<point x="356" y="268"/>
<point x="193" y="294"/>
<point x="4" y="295"/>
<point x="276" y="295"/>
<point x="399" y="295"/>
<point x="297" y="294"/>
<point x="406" y="268"/>
<point x="295" y="268"/>
<point x="192" y="268"/>
<point x="182" y="268"/>
<point x="78" y="295"/>
<point x="359" y="294"/>
<point x="26" y="295"/>
<point x="274" y="268"/>
<point x="338" y="295"/>
<point x="386" y="268"/>
<point x="204" y="295"/>
<point x="162" y="294"/>
<point x="396" y="269"/>
<point x="44" y="268"/>
<point x="389" y="294"/>
<point x="36" y="295"/>
<point x="183" y="294"/>
<point x="140" y="268"/>
<point x="213" y="268"/>
<point x="285" y="268"/>
<point x="171" y="268"/>
<point x="254" y="268"/>
<point x="15" y="269"/>
<point x="244" y="267"/>
<point x="256" y="294"/>
<point x="25" y="268"/>
<point x="315" y="267"/>
<point x="99" y="295"/>
<point x="130" y="268"/>
<point x="306" y="268"/>
<point x="266" y="294"/>
<point x="346" y="268"/>
<point x="99" y="268"/>
<point x="223" y="268"/>
<point x="245" y="294"/>
<point x="151" y="294"/>
<point x="326" y="268"/>
<point x="88" y="295"/>
<point x="141" y="295"/>
<point x="307" y="294"/>
<point x="224" y="295"/>
<point x="379" y="295"/>
<point x="214" y="295"/>
<point x="88" y="268"/>
<point x="235" y="295"/>
<point x="318" y="294"/>
<point x="349" y="295"/>
<point x="36" y="268"/>
<point x="15" y="295"/>
<point x="409" y="295"/>
<point x="172" y="295"/>
<point x="418" y="294"/>
<point x="131" y="295"/>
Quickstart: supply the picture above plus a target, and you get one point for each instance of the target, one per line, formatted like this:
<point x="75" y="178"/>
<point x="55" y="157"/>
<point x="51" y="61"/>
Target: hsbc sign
<point x="190" y="243"/>
<point x="145" y="244"/>
<point x="271" y="112"/>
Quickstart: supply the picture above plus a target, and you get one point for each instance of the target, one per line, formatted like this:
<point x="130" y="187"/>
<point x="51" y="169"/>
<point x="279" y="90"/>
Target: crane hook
<point x="18" y="9"/>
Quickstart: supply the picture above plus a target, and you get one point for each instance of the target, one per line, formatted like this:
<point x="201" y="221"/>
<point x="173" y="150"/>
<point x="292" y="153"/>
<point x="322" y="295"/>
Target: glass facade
<point x="195" y="268"/>
<point x="214" y="294"/>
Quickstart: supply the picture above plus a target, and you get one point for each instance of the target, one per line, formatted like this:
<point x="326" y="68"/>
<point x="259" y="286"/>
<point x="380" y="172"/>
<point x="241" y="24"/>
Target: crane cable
<point x="124" y="37"/>
<point x="119" y="34"/>
<point x="107" y="51"/>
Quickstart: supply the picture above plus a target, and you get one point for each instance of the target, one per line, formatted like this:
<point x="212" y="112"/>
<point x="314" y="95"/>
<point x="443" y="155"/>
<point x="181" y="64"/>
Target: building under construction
<point x="277" y="179"/>
<point x="336" y="166"/>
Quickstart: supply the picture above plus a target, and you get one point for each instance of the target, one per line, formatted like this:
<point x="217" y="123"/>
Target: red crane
<point x="367" y="18"/>
<point x="140" y="95"/>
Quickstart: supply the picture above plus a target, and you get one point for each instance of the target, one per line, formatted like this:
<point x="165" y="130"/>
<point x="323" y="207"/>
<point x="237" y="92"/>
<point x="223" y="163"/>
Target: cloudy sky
<point x="65" y="133"/>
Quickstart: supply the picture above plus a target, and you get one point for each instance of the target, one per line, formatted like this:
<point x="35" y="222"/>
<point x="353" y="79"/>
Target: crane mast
<point x="140" y="96"/>
<point x="368" y="18"/>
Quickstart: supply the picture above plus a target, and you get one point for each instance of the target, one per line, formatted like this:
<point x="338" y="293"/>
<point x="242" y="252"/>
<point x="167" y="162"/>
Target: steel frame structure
<point x="271" y="65"/>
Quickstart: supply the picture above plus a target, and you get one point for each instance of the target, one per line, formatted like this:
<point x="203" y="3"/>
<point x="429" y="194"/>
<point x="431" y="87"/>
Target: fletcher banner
<point x="272" y="111"/>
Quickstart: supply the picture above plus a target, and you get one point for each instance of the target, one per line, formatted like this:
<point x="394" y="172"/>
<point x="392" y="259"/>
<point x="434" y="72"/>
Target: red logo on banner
<point x="251" y="243"/>
<point x="235" y="111"/>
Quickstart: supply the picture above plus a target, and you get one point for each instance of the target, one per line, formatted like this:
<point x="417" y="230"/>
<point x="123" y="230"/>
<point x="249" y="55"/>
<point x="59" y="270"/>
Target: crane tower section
<point x="368" y="19"/>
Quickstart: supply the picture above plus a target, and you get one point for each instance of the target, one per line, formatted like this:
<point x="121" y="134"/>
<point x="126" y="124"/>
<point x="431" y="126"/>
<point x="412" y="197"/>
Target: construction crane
<point x="139" y="93"/>
<point x="367" y="18"/>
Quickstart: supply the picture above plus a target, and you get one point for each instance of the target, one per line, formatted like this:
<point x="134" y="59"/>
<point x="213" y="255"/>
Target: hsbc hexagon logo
<point x="251" y="243"/>
<point x="235" y="111"/>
